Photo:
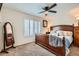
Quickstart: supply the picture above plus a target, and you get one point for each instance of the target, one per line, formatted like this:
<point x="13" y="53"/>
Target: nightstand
<point x="47" y="32"/>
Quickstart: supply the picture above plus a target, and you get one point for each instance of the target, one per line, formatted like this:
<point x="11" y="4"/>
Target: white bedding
<point x="67" y="35"/>
<point x="70" y="38"/>
<point x="68" y="41"/>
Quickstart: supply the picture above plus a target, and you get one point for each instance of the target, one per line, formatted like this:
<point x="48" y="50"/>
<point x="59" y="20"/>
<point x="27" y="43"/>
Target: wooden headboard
<point x="63" y="27"/>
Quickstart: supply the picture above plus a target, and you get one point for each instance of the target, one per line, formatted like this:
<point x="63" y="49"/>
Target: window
<point x="26" y="28"/>
<point x="31" y="27"/>
<point x="36" y="27"/>
<point x="39" y="27"/>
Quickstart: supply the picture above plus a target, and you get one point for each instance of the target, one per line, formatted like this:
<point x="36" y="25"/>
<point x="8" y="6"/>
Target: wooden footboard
<point x="43" y="41"/>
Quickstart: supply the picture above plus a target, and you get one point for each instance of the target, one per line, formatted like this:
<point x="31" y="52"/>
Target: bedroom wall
<point x="1" y="34"/>
<point x="16" y="19"/>
<point x="63" y="15"/>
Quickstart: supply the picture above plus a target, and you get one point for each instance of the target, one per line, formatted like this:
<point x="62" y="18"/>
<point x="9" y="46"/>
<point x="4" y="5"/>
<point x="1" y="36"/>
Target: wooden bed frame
<point x="43" y="40"/>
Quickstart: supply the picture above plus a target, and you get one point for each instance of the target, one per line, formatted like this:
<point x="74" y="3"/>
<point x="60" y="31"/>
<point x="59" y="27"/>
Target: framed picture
<point x="45" y="23"/>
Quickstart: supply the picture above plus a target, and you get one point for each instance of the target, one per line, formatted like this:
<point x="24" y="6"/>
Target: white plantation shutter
<point x="39" y="27"/>
<point x="36" y="27"/>
<point x="31" y="27"/>
<point x="26" y="28"/>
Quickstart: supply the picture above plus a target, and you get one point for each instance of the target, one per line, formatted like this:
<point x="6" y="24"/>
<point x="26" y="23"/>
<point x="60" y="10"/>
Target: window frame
<point x="38" y="30"/>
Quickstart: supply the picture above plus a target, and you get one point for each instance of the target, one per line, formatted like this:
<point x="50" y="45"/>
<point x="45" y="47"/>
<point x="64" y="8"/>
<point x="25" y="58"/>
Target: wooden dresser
<point x="76" y="36"/>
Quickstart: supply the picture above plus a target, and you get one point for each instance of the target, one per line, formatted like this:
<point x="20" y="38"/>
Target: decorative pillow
<point x="60" y="33"/>
<point x="67" y="33"/>
<point x="53" y="32"/>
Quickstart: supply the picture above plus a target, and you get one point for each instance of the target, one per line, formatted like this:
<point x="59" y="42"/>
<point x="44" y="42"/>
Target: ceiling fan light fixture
<point x="48" y="9"/>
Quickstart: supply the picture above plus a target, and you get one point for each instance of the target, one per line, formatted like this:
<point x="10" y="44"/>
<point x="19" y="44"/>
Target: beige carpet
<point x="30" y="49"/>
<point x="33" y="49"/>
<point x="74" y="51"/>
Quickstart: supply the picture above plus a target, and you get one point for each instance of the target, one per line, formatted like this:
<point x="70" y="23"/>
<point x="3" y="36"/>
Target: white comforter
<point x="67" y="35"/>
<point x="68" y="41"/>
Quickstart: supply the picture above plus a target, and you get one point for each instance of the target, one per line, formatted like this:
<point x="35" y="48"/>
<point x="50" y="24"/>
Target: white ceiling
<point x="35" y="8"/>
<point x="31" y="8"/>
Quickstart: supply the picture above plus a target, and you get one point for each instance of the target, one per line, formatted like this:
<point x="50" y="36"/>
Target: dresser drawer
<point x="77" y="27"/>
<point x="76" y="31"/>
<point x="76" y="36"/>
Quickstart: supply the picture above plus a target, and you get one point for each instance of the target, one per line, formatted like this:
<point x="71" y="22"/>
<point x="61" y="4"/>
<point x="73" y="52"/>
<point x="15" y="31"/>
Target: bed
<point x="46" y="41"/>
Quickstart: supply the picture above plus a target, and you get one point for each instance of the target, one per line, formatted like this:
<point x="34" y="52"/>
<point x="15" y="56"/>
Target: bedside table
<point x="47" y="32"/>
<point x="76" y="36"/>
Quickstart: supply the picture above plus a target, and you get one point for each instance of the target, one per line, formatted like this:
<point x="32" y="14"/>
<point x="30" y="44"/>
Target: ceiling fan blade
<point x="52" y="11"/>
<point x="0" y="5"/>
<point x="42" y="12"/>
<point x="43" y="8"/>
<point x="52" y="6"/>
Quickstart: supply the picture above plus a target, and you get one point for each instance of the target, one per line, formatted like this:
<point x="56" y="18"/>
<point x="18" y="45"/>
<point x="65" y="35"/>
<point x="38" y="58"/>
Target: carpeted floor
<point x="74" y="51"/>
<point x="30" y="49"/>
<point x="33" y="49"/>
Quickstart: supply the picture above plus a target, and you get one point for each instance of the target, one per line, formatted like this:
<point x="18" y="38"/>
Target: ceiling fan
<point x="48" y="8"/>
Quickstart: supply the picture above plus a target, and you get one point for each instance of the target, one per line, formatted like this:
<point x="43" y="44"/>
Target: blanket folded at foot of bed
<point x="55" y="41"/>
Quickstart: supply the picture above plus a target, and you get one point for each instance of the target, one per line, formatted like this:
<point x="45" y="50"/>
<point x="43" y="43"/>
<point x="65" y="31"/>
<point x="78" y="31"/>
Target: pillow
<point x="64" y="33"/>
<point x="53" y="32"/>
<point x="67" y="33"/>
<point x="60" y="33"/>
